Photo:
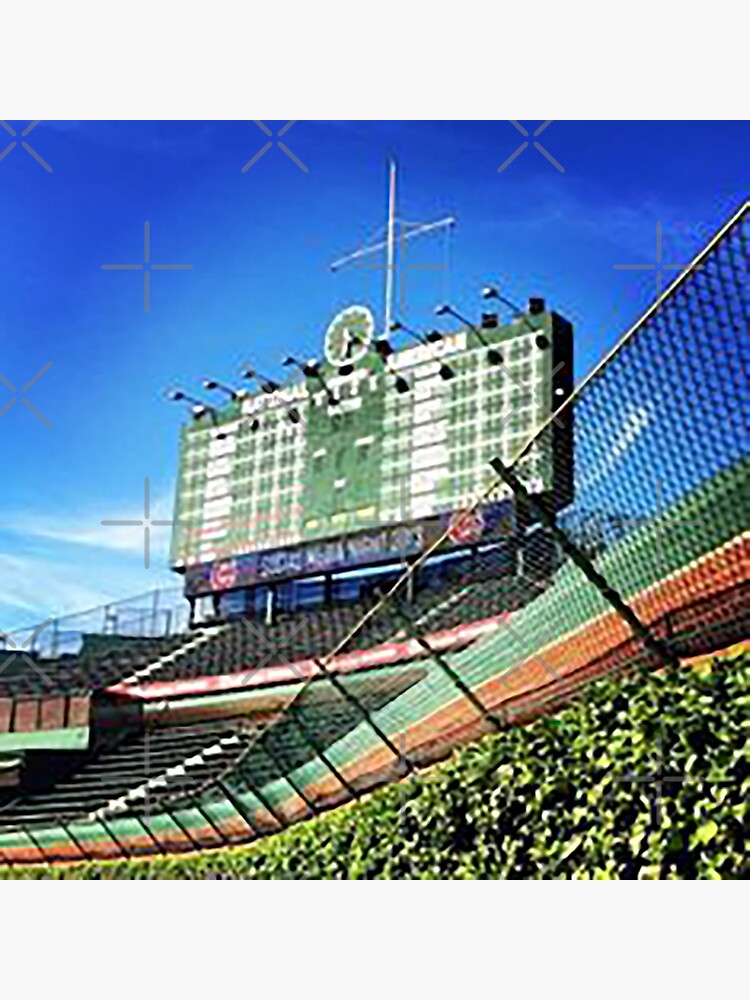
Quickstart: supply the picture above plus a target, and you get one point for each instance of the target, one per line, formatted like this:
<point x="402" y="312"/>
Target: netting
<point x="644" y="561"/>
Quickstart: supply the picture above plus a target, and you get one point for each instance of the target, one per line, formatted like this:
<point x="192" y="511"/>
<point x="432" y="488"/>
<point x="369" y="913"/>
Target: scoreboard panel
<point x="335" y="471"/>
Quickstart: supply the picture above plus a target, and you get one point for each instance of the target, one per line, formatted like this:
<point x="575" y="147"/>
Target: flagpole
<point x="390" y="249"/>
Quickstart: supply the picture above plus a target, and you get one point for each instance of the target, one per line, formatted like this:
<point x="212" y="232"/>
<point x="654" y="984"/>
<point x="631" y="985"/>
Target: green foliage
<point x="576" y="795"/>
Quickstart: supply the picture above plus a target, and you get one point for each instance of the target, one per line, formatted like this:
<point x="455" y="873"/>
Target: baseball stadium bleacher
<point x="237" y="728"/>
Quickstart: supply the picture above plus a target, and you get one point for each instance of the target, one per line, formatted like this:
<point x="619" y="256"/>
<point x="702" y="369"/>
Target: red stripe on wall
<point x="301" y="670"/>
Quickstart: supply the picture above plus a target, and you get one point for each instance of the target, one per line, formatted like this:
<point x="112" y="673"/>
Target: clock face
<point x="349" y="335"/>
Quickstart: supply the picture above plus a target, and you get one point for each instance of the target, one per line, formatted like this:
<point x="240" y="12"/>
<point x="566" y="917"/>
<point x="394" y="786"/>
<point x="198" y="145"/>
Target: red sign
<point x="223" y="575"/>
<point x="466" y="526"/>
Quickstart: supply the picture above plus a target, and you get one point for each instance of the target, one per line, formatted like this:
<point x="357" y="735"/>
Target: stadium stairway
<point x="47" y="702"/>
<point x="176" y="786"/>
<point x="35" y="677"/>
<point x="141" y="770"/>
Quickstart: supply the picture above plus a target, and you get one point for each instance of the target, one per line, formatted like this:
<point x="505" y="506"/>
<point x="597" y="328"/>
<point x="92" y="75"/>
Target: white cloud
<point x="32" y="584"/>
<point x="87" y="528"/>
<point x="35" y="587"/>
<point x="69" y="563"/>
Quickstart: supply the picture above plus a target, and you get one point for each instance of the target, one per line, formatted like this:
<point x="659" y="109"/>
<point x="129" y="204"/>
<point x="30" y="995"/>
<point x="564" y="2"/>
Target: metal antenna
<point x="389" y="244"/>
<point x="391" y="248"/>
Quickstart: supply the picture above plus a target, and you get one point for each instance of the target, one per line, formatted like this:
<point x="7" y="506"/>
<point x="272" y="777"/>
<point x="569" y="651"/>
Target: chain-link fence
<point x="154" y="614"/>
<point x="645" y="563"/>
<point x="642" y="561"/>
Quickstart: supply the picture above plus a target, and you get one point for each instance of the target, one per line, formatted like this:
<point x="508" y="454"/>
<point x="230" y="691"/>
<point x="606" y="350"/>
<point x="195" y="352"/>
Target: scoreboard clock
<point x="349" y="335"/>
<point x="334" y="472"/>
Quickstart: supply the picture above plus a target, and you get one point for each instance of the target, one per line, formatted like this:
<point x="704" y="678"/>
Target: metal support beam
<point x="170" y="814"/>
<point x="465" y="690"/>
<point x="71" y="836"/>
<point x="242" y="810"/>
<point x="548" y="519"/>
<point x="123" y="850"/>
<point x="143" y="822"/>
<point x="36" y="844"/>
<point x="238" y="805"/>
<point x="319" y="750"/>
<point x="365" y="714"/>
<point x="196" y="804"/>
<point x="290" y="781"/>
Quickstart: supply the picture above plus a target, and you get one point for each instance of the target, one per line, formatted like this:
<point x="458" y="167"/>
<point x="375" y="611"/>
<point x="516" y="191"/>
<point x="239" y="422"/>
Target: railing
<point x="153" y="614"/>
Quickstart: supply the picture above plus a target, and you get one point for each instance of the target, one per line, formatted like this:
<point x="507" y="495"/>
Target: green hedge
<point x="569" y="796"/>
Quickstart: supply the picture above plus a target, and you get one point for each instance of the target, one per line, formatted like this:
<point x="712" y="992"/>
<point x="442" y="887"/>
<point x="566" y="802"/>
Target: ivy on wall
<point x="643" y="777"/>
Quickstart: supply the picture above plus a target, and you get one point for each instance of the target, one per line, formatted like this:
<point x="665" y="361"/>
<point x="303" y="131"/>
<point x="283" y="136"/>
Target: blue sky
<point x="259" y="243"/>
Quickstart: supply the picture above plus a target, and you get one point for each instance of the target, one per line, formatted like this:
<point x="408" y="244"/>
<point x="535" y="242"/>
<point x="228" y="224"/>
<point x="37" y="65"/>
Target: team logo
<point x="466" y="526"/>
<point x="223" y="575"/>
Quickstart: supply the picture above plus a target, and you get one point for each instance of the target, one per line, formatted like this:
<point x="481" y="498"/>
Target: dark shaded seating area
<point x="27" y="675"/>
<point x="439" y="600"/>
<point x="138" y="770"/>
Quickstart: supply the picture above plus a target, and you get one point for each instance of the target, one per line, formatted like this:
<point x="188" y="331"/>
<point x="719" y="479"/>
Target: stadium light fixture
<point x="212" y="383"/>
<point x="490" y="292"/>
<point x="267" y="385"/>
<point x="536" y="306"/>
<point x="433" y="337"/>
<point x="384" y="348"/>
<point x="198" y="406"/>
<point x="253" y="424"/>
<point x="311" y="369"/>
<point x="445" y="371"/>
<point x="493" y="354"/>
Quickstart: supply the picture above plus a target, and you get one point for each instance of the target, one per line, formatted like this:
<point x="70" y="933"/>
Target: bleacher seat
<point x="135" y="771"/>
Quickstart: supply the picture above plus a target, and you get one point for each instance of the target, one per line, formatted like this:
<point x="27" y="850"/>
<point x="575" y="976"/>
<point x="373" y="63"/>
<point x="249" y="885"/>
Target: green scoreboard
<point x="373" y="452"/>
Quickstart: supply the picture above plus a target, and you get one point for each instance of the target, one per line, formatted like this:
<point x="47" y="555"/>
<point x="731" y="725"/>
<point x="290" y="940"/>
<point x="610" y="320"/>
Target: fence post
<point x="319" y="750"/>
<point x="547" y="517"/>
<point x="296" y="788"/>
<point x="365" y="714"/>
<point x="443" y="663"/>
<point x="154" y="613"/>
